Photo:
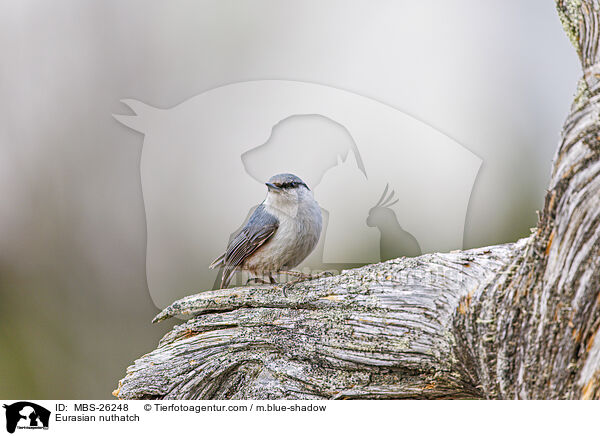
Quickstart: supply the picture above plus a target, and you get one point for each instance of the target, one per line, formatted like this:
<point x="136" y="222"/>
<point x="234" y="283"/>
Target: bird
<point x="281" y="232"/>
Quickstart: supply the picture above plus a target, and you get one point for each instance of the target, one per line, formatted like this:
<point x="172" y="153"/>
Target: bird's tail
<point x="217" y="262"/>
<point x="228" y="272"/>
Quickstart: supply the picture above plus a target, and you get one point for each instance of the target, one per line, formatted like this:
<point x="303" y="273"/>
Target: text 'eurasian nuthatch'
<point x="283" y="230"/>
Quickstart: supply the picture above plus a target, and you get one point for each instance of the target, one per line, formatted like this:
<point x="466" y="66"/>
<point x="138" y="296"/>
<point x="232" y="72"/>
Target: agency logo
<point x="389" y="185"/>
<point x="26" y="415"/>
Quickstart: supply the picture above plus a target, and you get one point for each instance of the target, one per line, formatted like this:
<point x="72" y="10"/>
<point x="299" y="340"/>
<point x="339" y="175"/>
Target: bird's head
<point x="286" y="184"/>
<point x="286" y="189"/>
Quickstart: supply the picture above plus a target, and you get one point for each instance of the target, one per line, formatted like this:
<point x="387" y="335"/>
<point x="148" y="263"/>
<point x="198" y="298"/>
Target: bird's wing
<point x="260" y="227"/>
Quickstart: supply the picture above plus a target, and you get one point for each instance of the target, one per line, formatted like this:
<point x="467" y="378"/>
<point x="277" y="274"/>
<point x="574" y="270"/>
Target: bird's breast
<point x="295" y="238"/>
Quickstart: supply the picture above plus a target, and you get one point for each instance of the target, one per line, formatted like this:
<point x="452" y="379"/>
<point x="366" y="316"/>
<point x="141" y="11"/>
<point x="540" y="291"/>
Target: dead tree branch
<point x="510" y="321"/>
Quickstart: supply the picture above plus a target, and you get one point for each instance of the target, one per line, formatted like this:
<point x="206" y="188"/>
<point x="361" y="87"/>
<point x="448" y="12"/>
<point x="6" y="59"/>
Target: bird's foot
<point x="256" y="281"/>
<point x="301" y="277"/>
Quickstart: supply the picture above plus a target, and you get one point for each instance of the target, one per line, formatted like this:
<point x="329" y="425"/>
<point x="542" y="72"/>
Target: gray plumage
<point x="279" y="235"/>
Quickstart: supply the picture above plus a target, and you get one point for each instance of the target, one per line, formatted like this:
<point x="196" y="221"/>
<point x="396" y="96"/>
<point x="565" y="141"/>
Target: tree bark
<point x="510" y="321"/>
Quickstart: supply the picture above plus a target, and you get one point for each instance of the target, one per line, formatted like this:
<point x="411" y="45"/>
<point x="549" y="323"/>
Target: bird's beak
<point x="272" y="187"/>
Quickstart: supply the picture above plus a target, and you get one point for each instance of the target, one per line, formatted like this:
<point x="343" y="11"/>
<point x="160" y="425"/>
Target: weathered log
<point x="510" y="321"/>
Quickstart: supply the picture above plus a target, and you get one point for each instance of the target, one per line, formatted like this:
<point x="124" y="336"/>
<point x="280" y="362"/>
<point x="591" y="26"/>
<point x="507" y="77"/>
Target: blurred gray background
<point x="497" y="76"/>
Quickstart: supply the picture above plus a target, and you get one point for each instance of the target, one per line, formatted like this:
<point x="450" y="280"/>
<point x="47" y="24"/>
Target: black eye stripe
<point x="288" y="185"/>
